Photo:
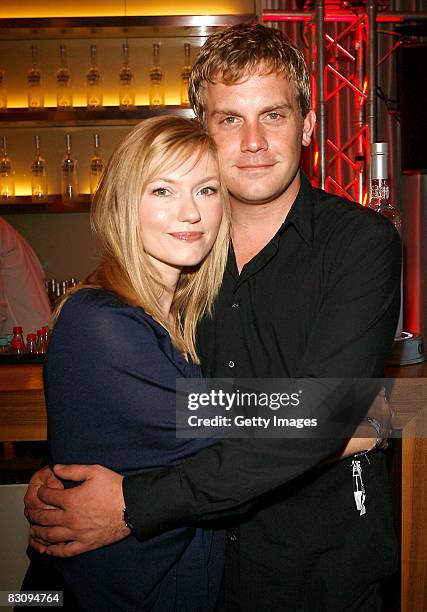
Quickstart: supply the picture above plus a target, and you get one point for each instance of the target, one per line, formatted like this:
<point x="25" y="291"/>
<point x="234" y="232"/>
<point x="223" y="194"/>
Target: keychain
<point x="358" y="488"/>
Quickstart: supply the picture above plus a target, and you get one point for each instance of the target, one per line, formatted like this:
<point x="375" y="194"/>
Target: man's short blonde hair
<point x="240" y="51"/>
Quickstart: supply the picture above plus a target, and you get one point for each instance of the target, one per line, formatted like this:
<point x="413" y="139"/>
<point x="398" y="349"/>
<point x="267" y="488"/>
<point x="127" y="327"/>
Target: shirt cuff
<point x="154" y="502"/>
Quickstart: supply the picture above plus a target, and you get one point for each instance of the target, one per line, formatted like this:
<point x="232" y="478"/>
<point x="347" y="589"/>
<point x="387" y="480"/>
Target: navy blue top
<point x="110" y="378"/>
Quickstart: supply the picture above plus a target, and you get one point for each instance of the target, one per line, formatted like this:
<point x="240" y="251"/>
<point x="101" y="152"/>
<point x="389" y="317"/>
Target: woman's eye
<point x="160" y="191"/>
<point x="207" y="191"/>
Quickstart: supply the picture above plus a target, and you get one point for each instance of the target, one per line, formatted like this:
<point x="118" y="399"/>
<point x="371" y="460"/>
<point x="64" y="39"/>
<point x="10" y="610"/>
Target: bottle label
<point x="63" y="79"/>
<point x="34" y="79"/>
<point x="93" y="79"/>
<point x="126" y="78"/>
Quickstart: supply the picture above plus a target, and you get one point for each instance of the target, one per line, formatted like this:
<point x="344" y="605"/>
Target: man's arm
<point x="226" y="478"/>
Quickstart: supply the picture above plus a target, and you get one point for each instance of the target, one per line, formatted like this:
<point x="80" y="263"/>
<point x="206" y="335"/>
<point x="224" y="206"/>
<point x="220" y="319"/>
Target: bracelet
<point x="375" y="424"/>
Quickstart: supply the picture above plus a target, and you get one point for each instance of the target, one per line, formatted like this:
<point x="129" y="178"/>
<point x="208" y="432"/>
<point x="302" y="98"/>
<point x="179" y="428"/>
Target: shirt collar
<point x="301" y="213"/>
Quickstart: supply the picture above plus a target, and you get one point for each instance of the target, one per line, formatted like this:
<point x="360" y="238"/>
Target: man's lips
<point x="187" y="236"/>
<point x="254" y="166"/>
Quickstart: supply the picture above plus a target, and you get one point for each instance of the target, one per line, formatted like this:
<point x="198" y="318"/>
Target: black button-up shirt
<point x="320" y="300"/>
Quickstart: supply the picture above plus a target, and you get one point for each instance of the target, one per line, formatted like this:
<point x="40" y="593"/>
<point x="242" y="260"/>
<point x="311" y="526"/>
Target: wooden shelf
<point x="52" y="204"/>
<point x="118" y="27"/>
<point x="80" y="116"/>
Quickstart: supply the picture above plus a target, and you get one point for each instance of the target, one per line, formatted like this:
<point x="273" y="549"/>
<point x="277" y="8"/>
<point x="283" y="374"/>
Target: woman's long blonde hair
<point x="160" y="143"/>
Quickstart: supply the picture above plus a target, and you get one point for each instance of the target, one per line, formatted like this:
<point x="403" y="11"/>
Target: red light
<point x="364" y="89"/>
<point x="316" y="160"/>
<point x="329" y="16"/>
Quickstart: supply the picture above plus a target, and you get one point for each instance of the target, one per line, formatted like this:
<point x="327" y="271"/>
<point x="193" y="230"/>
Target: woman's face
<point x="180" y="215"/>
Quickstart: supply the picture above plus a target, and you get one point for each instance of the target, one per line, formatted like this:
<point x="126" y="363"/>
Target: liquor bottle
<point x="127" y="86"/>
<point x="64" y="94"/>
<point x="3" y="91"/>
<point x="38" y="173"/>
<point x="96" y="165"/>
<point x="69" y="186"/>
<point x="34" y="78"/>
<point x="93" y="82"/>
<point x="7" y="181"/>
<point x="157" y="81"/>
<point x="380" y="187"/>
<point x="380" y="199"/>
<point x="185" y="75"/>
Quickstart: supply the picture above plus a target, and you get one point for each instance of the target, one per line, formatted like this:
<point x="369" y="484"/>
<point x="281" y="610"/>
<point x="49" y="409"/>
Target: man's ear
<point x="308" y="127"/>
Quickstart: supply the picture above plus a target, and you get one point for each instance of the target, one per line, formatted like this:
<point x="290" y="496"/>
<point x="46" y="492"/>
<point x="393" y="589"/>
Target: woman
<point x="121" y="339"/>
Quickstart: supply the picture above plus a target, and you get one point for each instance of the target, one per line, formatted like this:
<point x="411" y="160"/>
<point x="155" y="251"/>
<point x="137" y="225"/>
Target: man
<point x="23" y="297"/>
<point x="311" y="290"/>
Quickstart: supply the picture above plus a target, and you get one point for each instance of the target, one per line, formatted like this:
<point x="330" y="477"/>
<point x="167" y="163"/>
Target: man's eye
<point x="273" y="115"/>
<point x="207" y="191"/>
<point x="160" y="191"/>
<point x="229" y="120"/>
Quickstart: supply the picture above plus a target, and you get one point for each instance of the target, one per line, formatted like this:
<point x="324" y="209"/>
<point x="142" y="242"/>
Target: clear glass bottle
<point x="69" y="183"/>
<point x="94" y="94"/>
<point x="157" y="80"/>
<point x="380" y="187"/>
<point x="34" y="79"/>
<point x="38" y="173"/>
<point x="96" y="165"/>
<point x="64" y="94"/>
<point x="185" y="75"/>
<point x="41" y="347"/>
<point x="380" y="200"/>
<point x="3" y="90"/>
<point x="127" y="84"/>
<point x="31" y="344"/>
<point x="7" y="178"/>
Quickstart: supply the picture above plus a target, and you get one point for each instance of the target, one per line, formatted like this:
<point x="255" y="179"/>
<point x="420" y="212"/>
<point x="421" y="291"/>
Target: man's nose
<point x="253" y="138"/>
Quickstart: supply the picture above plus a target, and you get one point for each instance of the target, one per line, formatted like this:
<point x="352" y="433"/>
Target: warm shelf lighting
<point x="111" y="8"/>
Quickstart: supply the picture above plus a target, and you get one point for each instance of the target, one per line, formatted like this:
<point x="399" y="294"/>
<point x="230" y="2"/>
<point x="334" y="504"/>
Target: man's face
<point x="258" y="128"/>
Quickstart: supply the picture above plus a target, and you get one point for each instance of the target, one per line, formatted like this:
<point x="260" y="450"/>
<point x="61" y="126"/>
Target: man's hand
<point x="43" y="477"/>
<point x="85" y="517"/>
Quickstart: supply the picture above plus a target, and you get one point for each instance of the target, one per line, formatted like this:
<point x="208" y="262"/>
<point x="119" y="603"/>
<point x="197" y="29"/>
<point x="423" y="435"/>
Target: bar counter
<point x="23" y="418"/>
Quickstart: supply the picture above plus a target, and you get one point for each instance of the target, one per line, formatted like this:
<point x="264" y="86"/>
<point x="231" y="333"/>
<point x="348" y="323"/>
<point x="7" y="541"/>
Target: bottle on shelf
<point x="34" y="79"/>
<point x="31" y="344"/>
<point x="64" y="94"/>
<point x="96" y="165"/>
<point x="18" y="333"/>
<point x="41" y="346"/>
<point x="127" y="85"/>
<point x="185" y="75"/>
<point x="157" y="80"/>
<point x="94" y="93"/>
<point x="380" y="200"/>
<point x="7" y="180"/>
<point x="17" y="342"/>
<point x="38" y="173"/>
<point x="3" y="90"/>
<point x="69" y="184"/>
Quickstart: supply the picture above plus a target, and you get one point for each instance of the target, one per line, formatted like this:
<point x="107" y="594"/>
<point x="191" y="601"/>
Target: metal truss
<point x="343" y="52"/>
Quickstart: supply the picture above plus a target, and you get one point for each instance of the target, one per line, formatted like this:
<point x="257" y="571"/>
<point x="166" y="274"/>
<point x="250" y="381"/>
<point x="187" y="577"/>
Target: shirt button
<point x="235" y="305"/>
<point x="233" y="537"/>
<point x="230" y="364"/>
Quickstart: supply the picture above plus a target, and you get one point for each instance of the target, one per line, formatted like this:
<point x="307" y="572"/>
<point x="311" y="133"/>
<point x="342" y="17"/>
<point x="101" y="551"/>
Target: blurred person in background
<point x="23" y="296"/>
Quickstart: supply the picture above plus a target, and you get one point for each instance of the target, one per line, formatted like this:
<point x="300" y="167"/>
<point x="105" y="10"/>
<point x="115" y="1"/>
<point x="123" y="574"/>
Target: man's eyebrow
<point x="267" y="109"/>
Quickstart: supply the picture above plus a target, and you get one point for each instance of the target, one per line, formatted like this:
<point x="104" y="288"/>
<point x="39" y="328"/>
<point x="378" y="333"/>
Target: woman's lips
<point x="187" y="236"/>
